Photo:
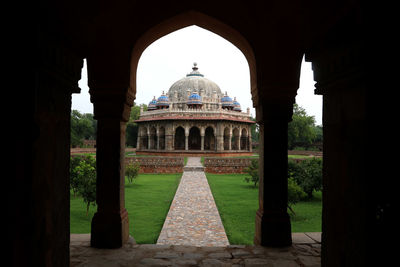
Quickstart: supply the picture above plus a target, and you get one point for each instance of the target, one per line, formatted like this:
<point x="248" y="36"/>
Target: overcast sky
<point x="171" y="57"/>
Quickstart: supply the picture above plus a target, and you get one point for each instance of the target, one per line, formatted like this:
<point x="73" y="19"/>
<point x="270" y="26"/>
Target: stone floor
<point x="305" y="251"/>
<point x="193" y="217"/>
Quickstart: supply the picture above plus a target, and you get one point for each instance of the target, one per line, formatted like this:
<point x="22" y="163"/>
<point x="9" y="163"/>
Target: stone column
<point x="169" y="137"/>
<point x="240" y="140"/>
<point x="158" y="139"/>
<point x="272" y="220"/>
<point x="249" y="141"/>
<point x="230" y="141"/>
<point x="138" y="143"/>
<point x="41" y="231"/>
<point x="186" y="142"/>
<point x="350" y="198"/>
<point x="148" y="139"/>
<point x="202" y="133"/>
<point x="138" y="137"/>
<point x="110" y="226"/>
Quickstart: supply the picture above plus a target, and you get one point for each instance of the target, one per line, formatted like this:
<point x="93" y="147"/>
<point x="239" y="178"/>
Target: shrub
<point x="307" y="174"/>
<point x="85" y="172"/>
<point x="295" y="193"/>
<point x="132" y="171"/>
<point x="73" y="174"/>
<point x="252" y="170"/>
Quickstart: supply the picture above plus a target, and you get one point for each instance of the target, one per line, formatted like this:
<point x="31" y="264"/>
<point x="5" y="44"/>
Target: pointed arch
<point x="186" y="19"/>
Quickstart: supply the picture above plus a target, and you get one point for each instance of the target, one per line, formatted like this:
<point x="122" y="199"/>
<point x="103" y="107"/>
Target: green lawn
<point x="147" y="201"/>
<point x="237" y="203"/>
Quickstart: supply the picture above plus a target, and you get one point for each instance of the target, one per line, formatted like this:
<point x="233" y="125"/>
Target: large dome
<point x="194" y="82"/>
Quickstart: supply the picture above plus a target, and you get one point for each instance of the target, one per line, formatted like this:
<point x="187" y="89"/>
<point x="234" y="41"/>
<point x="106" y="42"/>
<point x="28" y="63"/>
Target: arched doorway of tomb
<point x="235" y="139"/>
<point x="194" y="138"/>
<point x="226" y="138"/>
<point x="244" y="140"/>
<point x="209" y="139"/>
<point x="161" y="138"/>
<point x="144" y="139"/>
<point x="153" y="138"/>
<point x="179" y="142"/>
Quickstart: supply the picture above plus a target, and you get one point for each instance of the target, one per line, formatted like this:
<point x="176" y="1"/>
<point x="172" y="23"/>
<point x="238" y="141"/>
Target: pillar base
<point x="109" y="230"/>
<point x="273" y="229"/>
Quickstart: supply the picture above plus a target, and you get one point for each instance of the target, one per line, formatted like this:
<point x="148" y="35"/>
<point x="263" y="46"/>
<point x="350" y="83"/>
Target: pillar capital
<point x="275" y="109"/>
<point x="111" y="102"/>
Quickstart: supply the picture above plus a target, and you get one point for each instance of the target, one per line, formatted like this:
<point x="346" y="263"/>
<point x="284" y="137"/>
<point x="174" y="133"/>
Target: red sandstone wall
<point x="158" y="164"/>
<point x="226" y="165"/>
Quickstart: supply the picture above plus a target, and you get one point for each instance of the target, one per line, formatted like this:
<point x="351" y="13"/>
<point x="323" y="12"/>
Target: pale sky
<point x="171" y="57"/>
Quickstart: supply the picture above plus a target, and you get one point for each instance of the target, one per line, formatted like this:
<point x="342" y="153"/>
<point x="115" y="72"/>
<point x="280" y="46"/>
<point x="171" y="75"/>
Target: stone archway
<point x="153" y="138"/>
<point x="209" y="139"/>
<point x="179" y="142"/>
<point x="227" y="138"/>
<point x="194" y="142"/>
<point x="235" y="139"/>
<point x="244" y="140"/>
<point x="161" y="138"/>
<point x="144" y="139"/>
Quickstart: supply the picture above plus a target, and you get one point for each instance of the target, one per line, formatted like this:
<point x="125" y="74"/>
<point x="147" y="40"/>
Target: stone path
<point x="305" y="251"/>
<point x="193" y="218"/>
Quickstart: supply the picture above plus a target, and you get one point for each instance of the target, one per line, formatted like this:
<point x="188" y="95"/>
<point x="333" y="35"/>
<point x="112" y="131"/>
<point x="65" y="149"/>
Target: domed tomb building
<point x="194" y="117"/>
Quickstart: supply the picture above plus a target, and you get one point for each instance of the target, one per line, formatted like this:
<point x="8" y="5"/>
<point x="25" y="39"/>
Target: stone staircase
<point x="193" y="165"/>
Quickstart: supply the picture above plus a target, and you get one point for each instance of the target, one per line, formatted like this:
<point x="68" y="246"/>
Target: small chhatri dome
<point x="162" y="101"/>
<point x="227" y="101"/>
<point x="194" y="99"/>
<point x="236" y="105"/>
<point x="153" y="104"/>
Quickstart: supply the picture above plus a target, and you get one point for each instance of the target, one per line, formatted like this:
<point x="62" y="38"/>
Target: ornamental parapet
<point x="194" y="113"/>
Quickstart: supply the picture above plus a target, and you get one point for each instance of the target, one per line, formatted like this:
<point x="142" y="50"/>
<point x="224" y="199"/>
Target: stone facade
<point x="194" y="116"/>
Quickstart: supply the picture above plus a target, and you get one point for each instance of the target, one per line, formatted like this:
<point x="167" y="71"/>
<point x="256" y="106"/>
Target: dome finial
<point x="195" y="66"/>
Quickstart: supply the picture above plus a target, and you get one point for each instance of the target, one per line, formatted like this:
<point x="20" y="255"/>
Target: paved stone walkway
<point x="305" y="251"/>
<point x="193" y="218"/>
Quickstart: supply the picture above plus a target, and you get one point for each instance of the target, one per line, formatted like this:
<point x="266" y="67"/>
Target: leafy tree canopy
<point x="302" y="131"/>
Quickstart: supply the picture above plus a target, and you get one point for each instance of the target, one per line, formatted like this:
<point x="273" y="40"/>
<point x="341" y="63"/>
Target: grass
<point x="237" y="203"/>
<point x="147" y="201"/>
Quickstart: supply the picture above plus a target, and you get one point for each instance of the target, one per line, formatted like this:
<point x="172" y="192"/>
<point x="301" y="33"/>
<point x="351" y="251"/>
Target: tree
<point x="83" y="126"/>
<point x="74" y="175"/>
<point x="301" y="130"/>
<point x="132" y="170"/>
<point x="307" y="174"/>
<point x="86" y="174"/>
<point x="132" y="127"/>
<point x="252" y="170"/>
<point x="255" y="131"/>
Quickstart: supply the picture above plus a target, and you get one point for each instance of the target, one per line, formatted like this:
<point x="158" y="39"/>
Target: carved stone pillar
<point x="230" y="141"/>
<point x="42" y="229"/>
<point x="240" y="140"/>
<point x="148" y="139"/>
<point x="110" y="225"/>
<point x="186" y="142"/>
<point x="348" y="195"/>
<point x="158" y="139"/>
<point x="202" y="142"/>
<point x="249" y="140"/>
<point x="272" y="220"/>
